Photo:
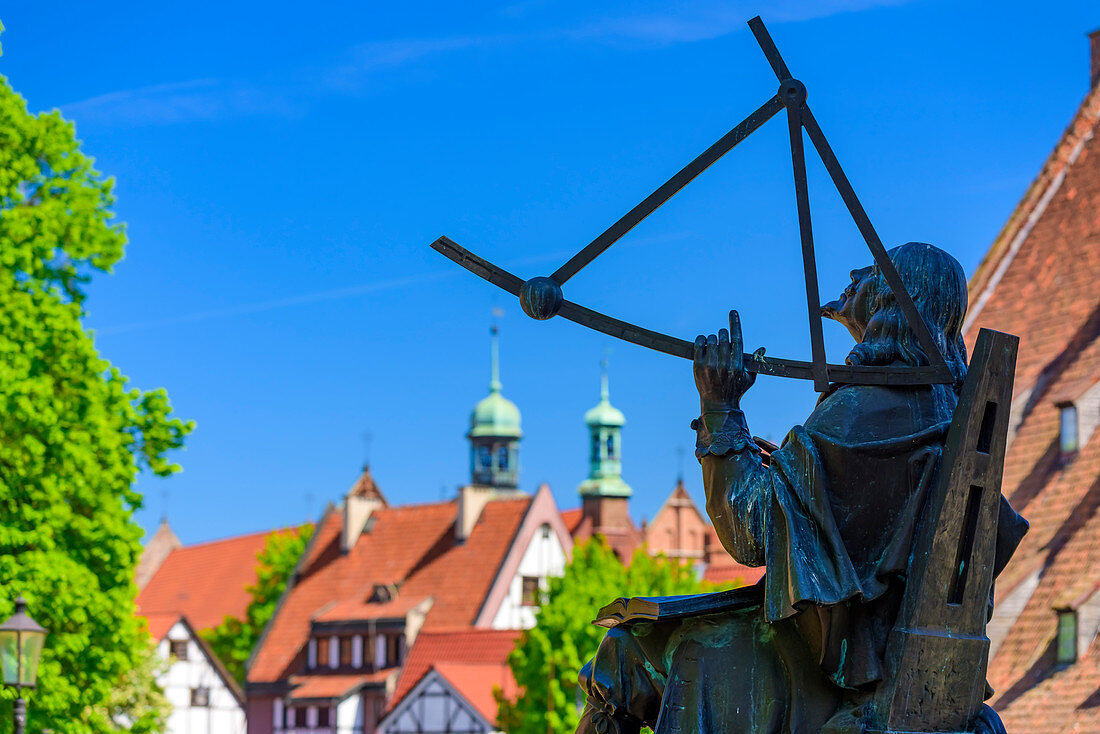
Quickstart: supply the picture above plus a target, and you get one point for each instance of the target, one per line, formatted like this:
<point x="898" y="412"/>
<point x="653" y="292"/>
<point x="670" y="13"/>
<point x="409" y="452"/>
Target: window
<point x="323" y="716"/>
<point x="345" y="652"/>
<point x="1067" y="636"/>
<point x="485" y="459"/>
<point x="393" y="650"/>
<point x="546" y="532"/>
<point x="611" y="447"/>
<point x="200" y="697"/>
<point x="322" y="651"/>
<point x="178" y="649"/>
<point x="530" y="591"/>
<point x="595" y="447"/>
<point x="502" y="458"/>
<point x="1069" y="427"/>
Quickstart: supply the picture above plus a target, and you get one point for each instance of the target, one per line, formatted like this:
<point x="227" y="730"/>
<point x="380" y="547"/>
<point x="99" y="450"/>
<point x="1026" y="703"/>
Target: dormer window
<point x="1066" y="642"/>
<point x="1069" y="429"/>
<point x="382" y="593"/>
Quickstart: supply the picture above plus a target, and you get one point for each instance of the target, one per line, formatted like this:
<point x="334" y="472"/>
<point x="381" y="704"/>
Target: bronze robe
<point x="831" y="514"/>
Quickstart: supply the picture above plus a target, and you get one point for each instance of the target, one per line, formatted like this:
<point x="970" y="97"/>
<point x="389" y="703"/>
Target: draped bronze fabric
<point x="831" y="515"/>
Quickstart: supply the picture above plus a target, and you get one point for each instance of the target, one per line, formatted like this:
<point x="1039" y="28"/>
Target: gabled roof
<point x="412" y="546"/>
<point x="476" y="683"/>
<point x="204" y="582"/>
<point x="1041" y="281"/>
<point x="161" y="624"/>
<point x="327" y="687"/>
<point x="473" y="660"/>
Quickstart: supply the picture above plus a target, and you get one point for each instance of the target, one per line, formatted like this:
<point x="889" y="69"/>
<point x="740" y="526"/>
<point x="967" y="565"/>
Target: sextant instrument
<point x="541" y="297"/>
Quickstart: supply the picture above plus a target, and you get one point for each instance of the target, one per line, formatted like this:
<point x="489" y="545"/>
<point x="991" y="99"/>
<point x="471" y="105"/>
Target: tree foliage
<point x="73" y="435"/>
<point x="549" y="656"/>
<point x="234" y="639"/>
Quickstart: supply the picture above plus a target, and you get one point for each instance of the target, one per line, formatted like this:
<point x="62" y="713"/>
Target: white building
<point x="204" y="697"/>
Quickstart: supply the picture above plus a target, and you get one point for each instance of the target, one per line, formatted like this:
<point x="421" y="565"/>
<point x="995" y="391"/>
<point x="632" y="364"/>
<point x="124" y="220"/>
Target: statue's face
<point x="853" y="308"/>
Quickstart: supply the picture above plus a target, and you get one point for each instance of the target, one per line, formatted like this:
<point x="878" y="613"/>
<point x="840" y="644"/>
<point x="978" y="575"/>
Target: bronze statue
<point x="831" y="515"/>
<point x="880" y="521"/>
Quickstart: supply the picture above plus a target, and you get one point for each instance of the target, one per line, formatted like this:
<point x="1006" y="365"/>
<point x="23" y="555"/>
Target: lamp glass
<point x="30" y="651"/>
<point x="9" y="658"/>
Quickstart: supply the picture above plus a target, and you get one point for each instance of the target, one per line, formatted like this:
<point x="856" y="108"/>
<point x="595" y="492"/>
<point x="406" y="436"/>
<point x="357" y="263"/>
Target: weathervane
<point x="541" y="297"/>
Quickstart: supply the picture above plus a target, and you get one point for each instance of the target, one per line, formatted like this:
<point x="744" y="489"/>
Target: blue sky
<point x="283" y="168"/>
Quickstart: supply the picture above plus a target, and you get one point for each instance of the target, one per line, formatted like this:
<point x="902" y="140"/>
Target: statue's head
<point x="937" y="285"/>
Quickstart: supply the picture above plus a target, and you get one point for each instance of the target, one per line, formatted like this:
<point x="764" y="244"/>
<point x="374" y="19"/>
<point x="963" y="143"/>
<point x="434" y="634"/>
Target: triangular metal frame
<point x="542" y="298"/>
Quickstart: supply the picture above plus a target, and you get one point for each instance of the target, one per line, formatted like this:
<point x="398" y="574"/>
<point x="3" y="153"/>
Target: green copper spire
<point x="605" y="423"/>
<point x="495" y="431"/>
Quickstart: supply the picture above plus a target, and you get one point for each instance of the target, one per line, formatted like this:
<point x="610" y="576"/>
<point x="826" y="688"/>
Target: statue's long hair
<point x="937" y="284"/>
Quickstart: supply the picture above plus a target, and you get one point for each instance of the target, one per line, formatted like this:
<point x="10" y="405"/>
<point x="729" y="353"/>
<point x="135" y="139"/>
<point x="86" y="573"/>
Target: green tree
<point x="73" y="436"/>
<point x="234" y="639"/>
<point x="549" y="656"/>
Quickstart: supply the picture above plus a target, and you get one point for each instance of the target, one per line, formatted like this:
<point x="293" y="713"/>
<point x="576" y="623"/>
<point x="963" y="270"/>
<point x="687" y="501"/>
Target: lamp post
<point x="21" y="641"/>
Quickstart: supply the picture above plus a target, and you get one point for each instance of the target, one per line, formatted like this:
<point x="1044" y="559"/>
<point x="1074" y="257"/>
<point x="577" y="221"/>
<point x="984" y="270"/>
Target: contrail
<point x="249" y="308"/>
<point x="350" y="291"/>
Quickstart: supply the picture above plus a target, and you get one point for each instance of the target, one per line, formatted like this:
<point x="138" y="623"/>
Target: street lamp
<point x="21" y="641"/>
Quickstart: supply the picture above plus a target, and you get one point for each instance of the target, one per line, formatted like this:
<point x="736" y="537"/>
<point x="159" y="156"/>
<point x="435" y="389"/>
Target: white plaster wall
<point x="223" y="716"/>
<point x="350" y="715"/>
<point x="544" y="557"/>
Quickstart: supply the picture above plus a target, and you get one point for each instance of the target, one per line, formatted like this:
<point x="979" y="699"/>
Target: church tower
<point x="605" y="427"/>
<point x="605" y="497"/>
<point x="495" y="433"/>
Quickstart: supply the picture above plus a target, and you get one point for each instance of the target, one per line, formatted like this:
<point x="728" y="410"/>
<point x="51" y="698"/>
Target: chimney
<point x="471" y="501"/>
<point x="362" y="500"/>
<point x="1094" y="53"/>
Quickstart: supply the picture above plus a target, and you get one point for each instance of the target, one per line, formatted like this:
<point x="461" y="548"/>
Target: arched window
<point x="611" y="446"/>
<point x="502" y="458"/>
<point x="484" y="458"/>
<point x="595" y="446"/>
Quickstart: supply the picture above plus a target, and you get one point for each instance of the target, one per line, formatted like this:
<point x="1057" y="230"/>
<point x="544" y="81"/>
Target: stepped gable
<point x="1041" y="281"/>
<point x="204" y="582"/>
<point x="412" y="547"/>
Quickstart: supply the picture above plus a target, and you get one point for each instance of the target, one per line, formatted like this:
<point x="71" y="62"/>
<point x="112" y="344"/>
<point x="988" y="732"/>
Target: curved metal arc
<point x="778" y="367"/>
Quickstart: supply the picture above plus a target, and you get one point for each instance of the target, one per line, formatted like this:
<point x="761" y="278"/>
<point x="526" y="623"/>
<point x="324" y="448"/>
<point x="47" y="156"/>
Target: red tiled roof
<point x="728" y="573"/>
<point x="473" y="648"/>
<point x="322" y="685"/>
<point x="204" y="582"/>
<point x="1041" y="281"/>
<point x="358" y="609"/>
<point x="160" y="624"/>
<point x="413" y="544"/>
<point x="572" y="519"/>
<point x="476" y="683"/>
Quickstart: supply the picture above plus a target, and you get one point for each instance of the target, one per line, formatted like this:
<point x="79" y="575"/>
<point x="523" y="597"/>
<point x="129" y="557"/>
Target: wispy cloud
<point x="357" y="291"/>
<point x="645" y="23"/>
<point x="187" y="101"/>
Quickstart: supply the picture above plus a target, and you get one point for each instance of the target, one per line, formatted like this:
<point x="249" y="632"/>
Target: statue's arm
<point x="734" y="476"/>
<point x="737" y="484"/>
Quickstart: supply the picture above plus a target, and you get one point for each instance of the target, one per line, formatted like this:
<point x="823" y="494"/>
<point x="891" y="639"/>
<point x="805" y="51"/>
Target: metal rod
<point x="665" y="192"/>
<point x="805" y="231"/>
<point x="775" y="366"/>
<point x="878" y="252"/>
<point x="767" y="45"/>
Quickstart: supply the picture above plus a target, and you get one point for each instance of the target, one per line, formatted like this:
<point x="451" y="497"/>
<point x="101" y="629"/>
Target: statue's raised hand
<point x="720" y="374"/>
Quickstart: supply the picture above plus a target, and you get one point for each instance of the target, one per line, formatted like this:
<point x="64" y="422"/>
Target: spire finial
<point x="605" y="392"/>
<point x="494" y="352"/>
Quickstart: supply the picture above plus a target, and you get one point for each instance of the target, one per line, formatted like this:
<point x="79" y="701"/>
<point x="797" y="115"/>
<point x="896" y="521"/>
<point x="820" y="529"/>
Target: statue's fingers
<point x="712" y="352"/>
<point x="700" y="350"/>
<point x="737" y="344"/>
<point x="724" y="349"/>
